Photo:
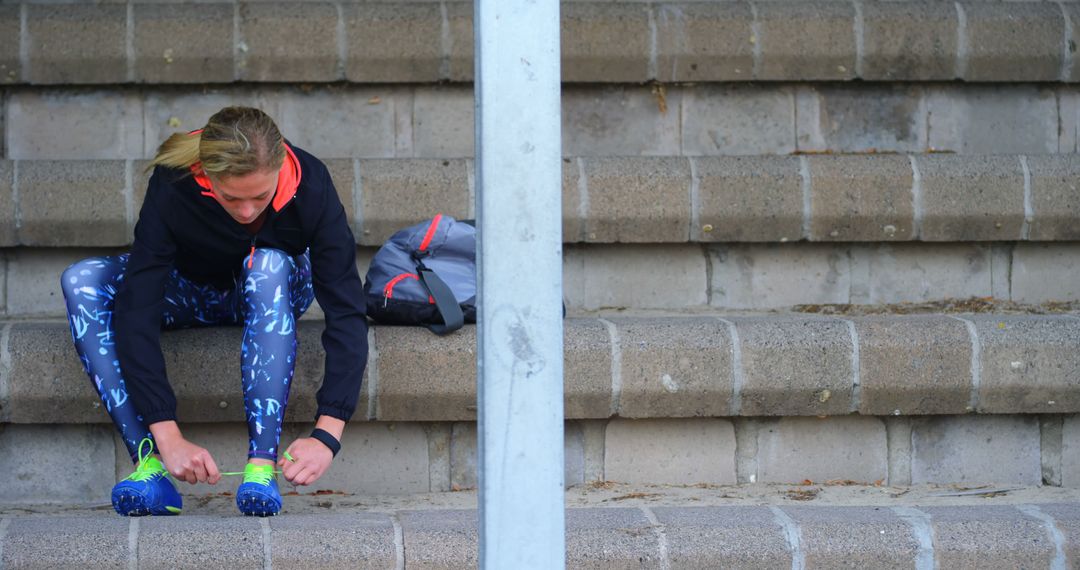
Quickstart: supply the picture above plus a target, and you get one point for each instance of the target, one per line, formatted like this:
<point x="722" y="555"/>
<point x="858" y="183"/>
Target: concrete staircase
<point x="809" y="245"/>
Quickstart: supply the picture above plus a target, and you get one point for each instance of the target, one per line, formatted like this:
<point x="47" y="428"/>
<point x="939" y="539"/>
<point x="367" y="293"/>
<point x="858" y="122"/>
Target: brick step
<point x="646" y="367"/>
<point x="618" y="42"/>
<point x="436" y="121"/>
<point x="855" y="198"/>
<point x="1045" y="535"/>
<point x="804" y="277"/>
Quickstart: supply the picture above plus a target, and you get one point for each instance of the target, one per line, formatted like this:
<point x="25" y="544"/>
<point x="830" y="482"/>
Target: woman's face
<point x="245" y="197"/>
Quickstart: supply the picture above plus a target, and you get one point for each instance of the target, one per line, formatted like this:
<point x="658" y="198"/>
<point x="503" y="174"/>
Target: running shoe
<point x="147" y="491"/>
<point x="258" y="495"/>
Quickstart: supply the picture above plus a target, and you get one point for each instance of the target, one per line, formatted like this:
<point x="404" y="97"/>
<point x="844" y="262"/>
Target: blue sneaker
<point x="147" y="491"/>
<point x="258" y="495"/>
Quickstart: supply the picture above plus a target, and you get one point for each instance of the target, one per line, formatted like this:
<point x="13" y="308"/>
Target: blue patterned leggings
<point x="271" y="295"/>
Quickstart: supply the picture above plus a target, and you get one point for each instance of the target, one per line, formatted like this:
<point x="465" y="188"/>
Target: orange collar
<point x="288" y="179"/>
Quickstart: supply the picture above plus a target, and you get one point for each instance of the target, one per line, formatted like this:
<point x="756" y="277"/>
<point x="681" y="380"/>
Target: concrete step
<point x="635" y="533"/>
<point x="658" y="367"/>
<point x="623" y="42"/>
<point x="436" y="121"/>
<point x="856" y="198"/>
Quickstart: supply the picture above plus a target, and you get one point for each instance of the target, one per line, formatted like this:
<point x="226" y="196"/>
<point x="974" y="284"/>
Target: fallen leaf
<point x="806" y="482"/>
<point x="802" y="494"/>
<point x="374" y="100"/>
<point x="634" y="496"/>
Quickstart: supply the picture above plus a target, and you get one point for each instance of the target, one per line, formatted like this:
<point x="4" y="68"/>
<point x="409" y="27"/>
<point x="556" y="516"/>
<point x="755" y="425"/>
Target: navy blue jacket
<point x="180" y="226"/>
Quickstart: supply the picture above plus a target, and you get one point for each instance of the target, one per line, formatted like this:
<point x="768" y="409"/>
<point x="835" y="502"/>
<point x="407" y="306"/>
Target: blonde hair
<point x="235" y="141"/>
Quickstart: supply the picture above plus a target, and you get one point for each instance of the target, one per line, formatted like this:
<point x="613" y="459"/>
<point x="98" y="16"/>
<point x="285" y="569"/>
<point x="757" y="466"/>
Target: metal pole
<point x="520" y="332"/>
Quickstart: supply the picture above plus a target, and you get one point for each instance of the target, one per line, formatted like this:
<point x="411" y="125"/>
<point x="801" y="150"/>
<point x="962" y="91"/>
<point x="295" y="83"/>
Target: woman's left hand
<point x="311" y="460"/>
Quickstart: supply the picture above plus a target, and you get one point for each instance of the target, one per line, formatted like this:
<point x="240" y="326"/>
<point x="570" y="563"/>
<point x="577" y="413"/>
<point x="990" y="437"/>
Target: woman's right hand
<point x="183" y="459"/>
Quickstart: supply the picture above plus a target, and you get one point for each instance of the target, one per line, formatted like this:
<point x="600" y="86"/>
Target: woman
<point x="237" y="227"/>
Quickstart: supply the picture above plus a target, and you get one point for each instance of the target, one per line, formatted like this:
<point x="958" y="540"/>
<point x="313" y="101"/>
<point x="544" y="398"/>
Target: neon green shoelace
<point x="150" y="467"/>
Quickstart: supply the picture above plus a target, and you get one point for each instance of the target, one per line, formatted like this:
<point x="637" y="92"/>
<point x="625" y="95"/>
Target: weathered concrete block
<point x="441" y="539"/>
<point x="1029" y="363"/>
<point x="76" y="44"/>
<point x="860" y="537"/>
<point x="268" y="46"/>
<point x="795" y="449"/>
<point x="970" y="119"/>
<point x="861" y="199"/>
<point x="704" y="42"/>
<point x="804" y="41"/>
<point x="748" y="198"/>
<point x="973" y="537"/>
<point x="609" y="41"/>
<point x="778" y="275"/>
<point x="1055" y="197"/>
<point x="619" y="121"/>
<point x="674" y="452"/>
<point x="675" y="368"/>
<point x="971" y="198"/>
<point x="168" y="542"/>
<point x="574" y="197"/>
<point x="402" y="193"/>
<point x="909" y="41"/>
<point x="464" y="461"/>
<point x="737" y="120"/>
<point x="333" y="541"/>
<point x="1070" y="454"/>
<point x="587" y="362"/>
<point x="409" y="363"/>
<point x="10" y="62"/>
<point x="183" y="43"/>
<point x="341" y="123"/>
<point x="343" y="175"/>
<point x="620" y="188"/>
<point x="82" y="453"/>
<point x="861" y="120"/>
<point x="34" y="279"/>
<point x="458" y="63"/>
<point x="917" y="272"/>
<point x="795" y="366"/>
<point x="8" y="235"/>
<point x="443" y="123"/>
<point x="732" y="537"/>
<point x="1006" y="44"/>
<point x="47" y="383"/>
<point x="42" y="125"/>
<point x="603" y="539"/>
<point x="975" y="449"/>
<point x="167" y="112"/>
<point x="597" y="276"/>
<point x="1067" y="519"/>
<point x="914" y="365"/>
<point x="86" y="542"/>
<point x="375" y="459"/>
<point x="393" y="43"/>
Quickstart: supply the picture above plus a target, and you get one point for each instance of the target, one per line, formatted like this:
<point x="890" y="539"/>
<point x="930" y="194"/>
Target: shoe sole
<point x="257" y="507"/>
<point x="131" y="505"/>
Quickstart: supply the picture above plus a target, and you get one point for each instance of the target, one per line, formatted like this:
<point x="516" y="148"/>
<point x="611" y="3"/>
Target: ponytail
<point x="235" y="141"/>
<point x="180" y="150"/>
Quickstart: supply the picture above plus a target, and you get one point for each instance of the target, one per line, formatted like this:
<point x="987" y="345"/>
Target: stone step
<point x="624" y="42"/>
<point x="1044" y="535"/>
<point x="853" y="198"/>
<point x="711" y="365"/>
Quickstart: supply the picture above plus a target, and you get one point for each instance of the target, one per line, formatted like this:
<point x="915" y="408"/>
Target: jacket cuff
<point x="334" y="412"/>
<point x="155" y="416"/>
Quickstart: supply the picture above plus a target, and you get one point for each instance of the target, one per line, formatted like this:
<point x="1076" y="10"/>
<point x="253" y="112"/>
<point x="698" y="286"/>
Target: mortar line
<point x="1029" y="212"/>
<point x="736" y="368"/>
<point x="961" y="42"/>
<point x="695" y="202"/>
<point x="976" y="363"/>
<point x="373" y="375"/>
<point x="342" y="41"/>
<point x="5" y="360"/>
<point x="661" y="536"/>
<point x="794" y="540"/>
<point x="268" y="560"/>
<point x="1052" y="529"/>
<point x="4" y="522"/>
<point x="859" y="39"/>
<point x="446" y="45"/>
<point x="924" y="534"/>
<point x="650" y="71"/>
<point x="807" y="189"/>
<point x="238" y="59"/>
<point x="133" y="544"/>
<point x="129" y="42"/>
<point x="358" y="198"/>
<point x="583" y="199"/>
<point x="916" y="198"/>
<point x="616" y="366"/>
<point x="1066" y="53"/>
<point x="24" y="45"/>
<point x="755" y="33"/>
<point x="470" y="175"/>
<point x="129" y="193"/>
<point x="399" y="542"/>
<point x="856" y="378"/>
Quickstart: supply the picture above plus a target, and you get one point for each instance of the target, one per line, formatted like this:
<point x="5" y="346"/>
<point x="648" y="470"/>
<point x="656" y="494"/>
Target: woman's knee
<point x="90" y="275"/>
<point x="271" y="262"/>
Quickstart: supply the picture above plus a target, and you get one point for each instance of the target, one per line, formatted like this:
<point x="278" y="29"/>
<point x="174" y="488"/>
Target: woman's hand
<point x="311" y="460"/>
<point x="183" y="459"/>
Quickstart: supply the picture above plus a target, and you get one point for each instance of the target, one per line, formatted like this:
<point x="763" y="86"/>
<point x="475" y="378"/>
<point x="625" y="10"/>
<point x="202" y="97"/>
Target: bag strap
<point x="445" y="303"/>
